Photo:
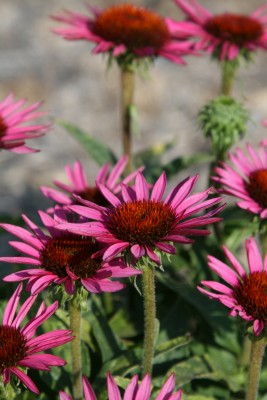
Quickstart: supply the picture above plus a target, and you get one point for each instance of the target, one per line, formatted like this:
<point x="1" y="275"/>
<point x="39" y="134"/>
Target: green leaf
<point x="171" y="345"/>
<point x="96" y="149"/>
<point x="198" y="397"/>
<point x="107" y="341"/>
<point x="208" y="309"/>
<point x="193" y="368"/>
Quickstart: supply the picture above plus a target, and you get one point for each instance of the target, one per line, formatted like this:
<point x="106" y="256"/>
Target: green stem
<point x="256" y="356"/>
<point x="228" y="74"/>
<point x="244" y="358"/>
<point x="127" y="94"/>
<point x="76" y="351"/>
<point x="148" y="279"/>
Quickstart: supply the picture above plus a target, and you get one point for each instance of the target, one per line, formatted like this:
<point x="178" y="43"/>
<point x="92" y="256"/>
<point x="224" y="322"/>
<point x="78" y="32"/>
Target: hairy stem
<point x="76" y="351"/>
<point x="127" y="93"/>
<point x="256" y="356"/>
<point x="228" y="74"/>
<point x="148" y="278"/>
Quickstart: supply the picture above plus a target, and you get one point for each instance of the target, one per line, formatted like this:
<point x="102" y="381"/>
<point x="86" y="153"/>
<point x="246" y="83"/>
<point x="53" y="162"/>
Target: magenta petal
<point x="152" y="255"/>
<point x="116" y="172"/>
<point x="88" y="390"/>
<point x="103" y="285"/>
<point x="219" y="287"/>
<point x="167" y="389"/>
<point x="25" y="379"/>
<point x="21" y="260"/>
<point x="88" y="212"/>
<point x="49" y="340"/>
<point x="113" y="390"/>
<point x="166" y="247"/>
<point x="235" y="263"/>
<point x="25" y="248"/>
<point x="64" y="396"/>
<point x="137" y="250"/>
<point x="131" y="389"/>
<point x="258" y="326"/>
<point x="159" y="188"/>
<point x="114" y="250"/>
<point x="223" y="271"/>
<point x="254" y="256"/>
<point x="42" y="283"/>
<point x="124" y="272"/>
<point x="141" y="187"/>
<point x="144" y="390"/>
<point x="11" y="306"/>
<point x="47" y="359"/>
<point x="109" y="195"/>
<point x="24" y="309"/>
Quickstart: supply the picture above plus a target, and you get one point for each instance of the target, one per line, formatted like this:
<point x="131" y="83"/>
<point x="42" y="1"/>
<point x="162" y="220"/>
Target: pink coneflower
<point x="250" y="184"/>
<point x="144" y="223"/>
<point x="225" y="35"/>
<point x="13" y="132"/>
<point x="19" y="347"/>
<point x="134" y="391"/>
<point x="247" y="294"/>
<point x="62" y="258"/>
<point x="80" y="187"/>
<point x="123" y="30"/>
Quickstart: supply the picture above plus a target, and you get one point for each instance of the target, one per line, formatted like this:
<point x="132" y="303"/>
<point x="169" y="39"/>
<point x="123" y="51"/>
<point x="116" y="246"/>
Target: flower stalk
<point x="76" y="349"/>
<point x="228" y="75"/>
<point x="256" y="356"/>
<point x="148" y="281"/>
<point x="127" y="94"/>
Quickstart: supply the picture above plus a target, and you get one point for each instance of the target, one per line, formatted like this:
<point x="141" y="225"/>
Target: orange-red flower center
<point x="234" y="28"/>
<point x="257" y="186"/>
<point x="93" y="194"/>
<point x="3" y="127"/>
<point x="13" y="347"/>
<point x="133" y="26"/>
<point x="71" y="251"/>
<point x="251" y="294"/>
<point x="142" y="222"/>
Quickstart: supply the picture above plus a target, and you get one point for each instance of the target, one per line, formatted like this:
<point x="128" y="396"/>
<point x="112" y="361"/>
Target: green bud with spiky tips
<point x="223" y="120"/>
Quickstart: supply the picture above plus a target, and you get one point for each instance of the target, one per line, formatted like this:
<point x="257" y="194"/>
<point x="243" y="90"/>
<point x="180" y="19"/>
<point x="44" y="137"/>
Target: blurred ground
<point x="36" y="64"/>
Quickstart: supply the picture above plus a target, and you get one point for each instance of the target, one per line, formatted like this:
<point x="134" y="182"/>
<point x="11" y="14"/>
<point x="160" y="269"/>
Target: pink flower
<point x="19" y="347"/>
<point x="225" y="35"/>
<point x="249" y="183"/>
<point x="62" y="258"/>
<point x="134" y="391"/>
<point x="133" y="33"/>
<point x="247" y="294"/>
<point x="144" y="223"/>
<point x="80" y="187"/>
<point x="13" y="132"/>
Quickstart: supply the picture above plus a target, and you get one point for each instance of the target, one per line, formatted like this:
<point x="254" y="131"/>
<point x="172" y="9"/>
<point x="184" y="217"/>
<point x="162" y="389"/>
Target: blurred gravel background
<point x="38" y="65"/>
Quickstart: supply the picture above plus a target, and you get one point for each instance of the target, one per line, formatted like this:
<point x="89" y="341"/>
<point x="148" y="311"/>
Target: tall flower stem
<point x="256" y="356"/>
<point x="148" y="280"/>
<point x="228" y="74"/>
<point x="127" y="94"/>
<point x="76" y="350"/>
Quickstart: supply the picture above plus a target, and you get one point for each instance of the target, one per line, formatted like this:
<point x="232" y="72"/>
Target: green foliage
<point x="99" y="152"/>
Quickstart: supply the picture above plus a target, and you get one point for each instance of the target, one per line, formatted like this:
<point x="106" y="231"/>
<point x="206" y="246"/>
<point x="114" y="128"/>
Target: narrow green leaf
<point x="103" y="334"/>
<point x="170" y="345"/>
<point x="96" y="149"/>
